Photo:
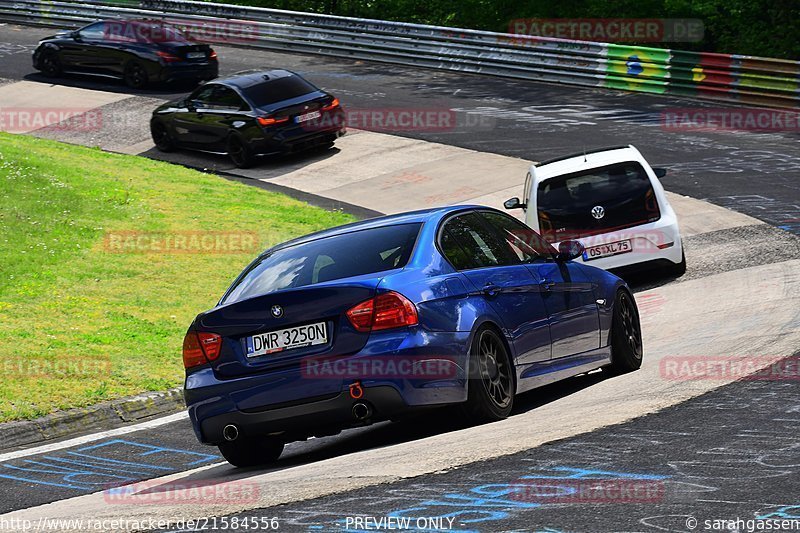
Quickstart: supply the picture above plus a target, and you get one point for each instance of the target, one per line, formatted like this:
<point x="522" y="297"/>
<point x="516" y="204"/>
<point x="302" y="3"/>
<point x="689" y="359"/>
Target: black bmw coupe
<point x="249" y="115"/>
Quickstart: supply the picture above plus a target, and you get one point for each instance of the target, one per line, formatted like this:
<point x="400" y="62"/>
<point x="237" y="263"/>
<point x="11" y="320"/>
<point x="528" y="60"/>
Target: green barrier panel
<point x="637" y="68"/>
<point x="775" y="83"/>
<point x="640" y="85"/>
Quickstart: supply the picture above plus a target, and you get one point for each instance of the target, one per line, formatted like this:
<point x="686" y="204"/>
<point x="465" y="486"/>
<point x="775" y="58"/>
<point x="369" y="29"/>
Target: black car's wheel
<point x="490" y="392"/>
<point x="626" y="335"/>
<point x="50" y="65"/>
<point x="239" y="153"/>
<point x="135" y="75"/>
<point x="251" y="451"/>
<point x="161" y="137"/>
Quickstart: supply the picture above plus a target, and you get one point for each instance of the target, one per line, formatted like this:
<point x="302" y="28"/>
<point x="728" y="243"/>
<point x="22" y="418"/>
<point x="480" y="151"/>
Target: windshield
<point x="342" y="256"/>
<point x="596" y="201"/>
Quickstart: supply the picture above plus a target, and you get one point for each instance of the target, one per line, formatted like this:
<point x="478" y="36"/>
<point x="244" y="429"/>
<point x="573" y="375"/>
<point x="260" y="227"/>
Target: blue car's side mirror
<point x="569" y="250"/>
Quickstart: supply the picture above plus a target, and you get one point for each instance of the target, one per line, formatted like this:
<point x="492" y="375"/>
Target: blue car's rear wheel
<point x="251" y="451"/>
<point x="491" y="383"/>
<point x="626" y="334"/>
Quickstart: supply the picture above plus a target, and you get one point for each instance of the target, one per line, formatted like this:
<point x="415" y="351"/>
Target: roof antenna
<point x="584" y="154"/>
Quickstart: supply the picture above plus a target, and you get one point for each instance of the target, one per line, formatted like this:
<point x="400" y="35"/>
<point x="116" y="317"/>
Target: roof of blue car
<point x="422" y="215"/>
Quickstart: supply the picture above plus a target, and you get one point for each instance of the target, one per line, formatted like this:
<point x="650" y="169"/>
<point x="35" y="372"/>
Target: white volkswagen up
<point x="609" y="200"/>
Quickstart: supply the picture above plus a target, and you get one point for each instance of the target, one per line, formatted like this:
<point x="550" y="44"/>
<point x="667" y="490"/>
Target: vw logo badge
<point x="277" y="311"/>
<point x="598" y="212"/>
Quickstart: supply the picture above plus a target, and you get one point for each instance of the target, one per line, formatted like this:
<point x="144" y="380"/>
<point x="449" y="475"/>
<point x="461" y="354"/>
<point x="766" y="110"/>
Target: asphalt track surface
<point x="740" y="424"/>
<point x="731" y="454"/>
<point x="754" y="173"/>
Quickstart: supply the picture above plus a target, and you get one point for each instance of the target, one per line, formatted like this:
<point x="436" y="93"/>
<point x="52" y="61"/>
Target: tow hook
<point x="356" y="391"/>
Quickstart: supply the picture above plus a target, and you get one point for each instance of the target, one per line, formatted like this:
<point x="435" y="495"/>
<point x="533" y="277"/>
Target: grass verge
<point x="106" y="259"/>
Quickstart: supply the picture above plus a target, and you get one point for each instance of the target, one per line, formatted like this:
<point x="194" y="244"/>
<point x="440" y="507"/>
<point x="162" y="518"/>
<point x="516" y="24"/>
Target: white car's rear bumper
<point x="649" y="242"/>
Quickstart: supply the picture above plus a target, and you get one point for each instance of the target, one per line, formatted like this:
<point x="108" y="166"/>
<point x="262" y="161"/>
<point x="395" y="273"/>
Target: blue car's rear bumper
<point x="291" y="402"/>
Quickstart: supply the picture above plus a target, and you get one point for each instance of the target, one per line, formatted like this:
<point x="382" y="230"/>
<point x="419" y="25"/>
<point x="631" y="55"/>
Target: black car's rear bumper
<point x="188" y="71"/>
<point x="297" y="144"/>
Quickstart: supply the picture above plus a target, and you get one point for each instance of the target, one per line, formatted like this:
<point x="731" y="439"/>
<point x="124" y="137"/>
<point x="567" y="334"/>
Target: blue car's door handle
<point x="490" y="289"/>
<point x="547" y="284"/>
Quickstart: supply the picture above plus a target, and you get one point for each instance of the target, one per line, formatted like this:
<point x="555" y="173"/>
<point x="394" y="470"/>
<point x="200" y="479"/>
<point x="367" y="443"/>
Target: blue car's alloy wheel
<point x="491" y="384"/>
<point x="626" y="335"/>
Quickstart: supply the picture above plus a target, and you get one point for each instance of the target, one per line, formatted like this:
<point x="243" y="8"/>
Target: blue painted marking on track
<point x="87" y="469"/>
<point x="787" y="512"/>
<point x="566" y="472"/>
<point x="491" y="502"/>
<point x="152" y="449"/>
<point x="38" y="482"/>
<point x="112" y="468"/>
<point x="127" y="463"/>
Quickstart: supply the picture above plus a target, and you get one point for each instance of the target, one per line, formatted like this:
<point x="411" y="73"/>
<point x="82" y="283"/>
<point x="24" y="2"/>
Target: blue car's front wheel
<point x="626" y="334"/>
<point x="491" y="379"/>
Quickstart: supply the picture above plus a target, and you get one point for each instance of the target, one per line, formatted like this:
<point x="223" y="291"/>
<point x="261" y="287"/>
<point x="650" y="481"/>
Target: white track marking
<point x="77" y="441"/>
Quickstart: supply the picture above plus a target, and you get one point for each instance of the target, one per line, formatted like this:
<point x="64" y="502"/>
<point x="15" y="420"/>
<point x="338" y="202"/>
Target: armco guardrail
<point x="724" y="77"/>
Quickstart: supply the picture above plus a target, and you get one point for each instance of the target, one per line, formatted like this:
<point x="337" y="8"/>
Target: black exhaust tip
<point x="230" y="432"/>
<point x="361" y="411"/>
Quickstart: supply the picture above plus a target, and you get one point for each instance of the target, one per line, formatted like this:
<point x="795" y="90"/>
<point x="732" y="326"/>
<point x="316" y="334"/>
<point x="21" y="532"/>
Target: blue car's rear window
<point x="341" y="256"/>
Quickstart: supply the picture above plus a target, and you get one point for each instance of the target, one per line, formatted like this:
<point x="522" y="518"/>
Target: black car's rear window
<point x="277" y="90"/>
<point x="342" y="256"/>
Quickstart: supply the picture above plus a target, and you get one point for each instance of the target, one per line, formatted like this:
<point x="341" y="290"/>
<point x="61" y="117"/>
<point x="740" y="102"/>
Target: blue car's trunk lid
<point x="322" y="307"/>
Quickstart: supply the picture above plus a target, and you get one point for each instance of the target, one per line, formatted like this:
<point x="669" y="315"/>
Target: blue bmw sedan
<point x="459" y="305"/>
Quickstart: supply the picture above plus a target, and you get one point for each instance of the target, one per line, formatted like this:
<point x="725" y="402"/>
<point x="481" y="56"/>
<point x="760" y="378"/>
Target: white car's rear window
<point x="596" y="201"/>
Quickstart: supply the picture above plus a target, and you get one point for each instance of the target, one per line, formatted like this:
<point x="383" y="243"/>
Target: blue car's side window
<point x="524" y="242"/>
<point x="468" y="243"/>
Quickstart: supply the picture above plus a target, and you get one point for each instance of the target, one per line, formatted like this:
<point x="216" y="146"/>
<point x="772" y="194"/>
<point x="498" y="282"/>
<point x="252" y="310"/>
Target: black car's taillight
<point x="271" y="121"/>
<point x="332" y="105"/>
<point x="167" y="57"/>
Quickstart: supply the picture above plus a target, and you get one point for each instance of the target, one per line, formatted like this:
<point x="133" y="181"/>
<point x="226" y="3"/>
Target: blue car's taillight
<point x="385" y="311"/>
<point x="200" y="348"/>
